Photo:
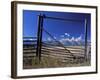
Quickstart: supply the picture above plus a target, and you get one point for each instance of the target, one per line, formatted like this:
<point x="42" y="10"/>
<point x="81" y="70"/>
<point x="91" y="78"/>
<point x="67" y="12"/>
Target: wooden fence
<point x="76" y="52"/>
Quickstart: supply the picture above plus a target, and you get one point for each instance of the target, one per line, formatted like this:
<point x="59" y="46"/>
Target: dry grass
<point x="48" y="62"/>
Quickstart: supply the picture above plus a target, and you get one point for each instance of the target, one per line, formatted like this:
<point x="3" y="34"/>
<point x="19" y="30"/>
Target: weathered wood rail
<point x="55" y="52"/>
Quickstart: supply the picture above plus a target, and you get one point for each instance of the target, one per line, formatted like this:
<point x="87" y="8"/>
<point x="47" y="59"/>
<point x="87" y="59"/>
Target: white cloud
<point x="78" y="38"/>
<point x="49" y="39"/>
<point x="67" y="34"/>
<point x="71" y="39"/>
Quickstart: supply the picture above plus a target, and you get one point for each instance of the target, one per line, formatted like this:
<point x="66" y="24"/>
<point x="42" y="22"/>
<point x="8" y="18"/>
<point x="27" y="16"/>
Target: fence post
<point x="39" y="38"/>
<point x="85" y="55"/>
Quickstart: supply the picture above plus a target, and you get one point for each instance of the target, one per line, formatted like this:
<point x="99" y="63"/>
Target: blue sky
<point x="61" y="30"/>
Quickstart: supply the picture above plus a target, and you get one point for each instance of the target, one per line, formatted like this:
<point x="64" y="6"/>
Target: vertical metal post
<point x="39" y="38"/>
<point x="85" y="55"/>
